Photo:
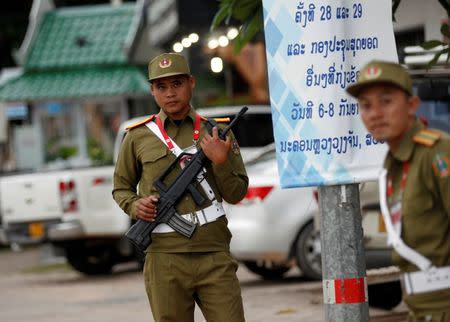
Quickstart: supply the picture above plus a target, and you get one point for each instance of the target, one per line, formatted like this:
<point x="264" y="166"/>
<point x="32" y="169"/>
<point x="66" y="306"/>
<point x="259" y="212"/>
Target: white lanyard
<point x="394" y="239"/>
<point x="176" y="150"/>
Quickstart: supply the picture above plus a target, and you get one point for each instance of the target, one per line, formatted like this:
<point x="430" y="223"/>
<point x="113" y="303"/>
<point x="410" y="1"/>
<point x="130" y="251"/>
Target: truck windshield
<point x="61" y="135"/>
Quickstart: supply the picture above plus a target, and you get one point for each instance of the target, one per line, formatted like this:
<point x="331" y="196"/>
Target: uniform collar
<point x="164" y="117"/>
<point x="405" y="149"/>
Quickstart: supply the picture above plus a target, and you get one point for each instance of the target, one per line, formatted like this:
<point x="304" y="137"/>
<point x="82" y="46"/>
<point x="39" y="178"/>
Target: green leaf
<point x="445" y="30"/>
<point x="247" y="11"/>
<point x="244" y="9"/>
<point x="434" y="61"/>
<point x="241" y="10"/>
<point x="249" y="30"/>
<point x="230" y="11"/>
<point x="220" y="16"/>
<point x="224" y="13"/>
<point x="431" y="44"/>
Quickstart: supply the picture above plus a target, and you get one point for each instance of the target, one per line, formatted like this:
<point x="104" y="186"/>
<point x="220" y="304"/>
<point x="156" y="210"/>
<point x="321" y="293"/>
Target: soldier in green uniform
<point x="179" y="271"/>
<point x="418" y="172"/>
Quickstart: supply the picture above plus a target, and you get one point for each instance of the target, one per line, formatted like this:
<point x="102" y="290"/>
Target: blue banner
<point x="314" y="50"/>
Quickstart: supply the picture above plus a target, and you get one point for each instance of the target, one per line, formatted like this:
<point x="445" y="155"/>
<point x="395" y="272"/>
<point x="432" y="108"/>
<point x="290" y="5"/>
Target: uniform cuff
<point x="223" y="169"/>
<point x="132" y="212"/>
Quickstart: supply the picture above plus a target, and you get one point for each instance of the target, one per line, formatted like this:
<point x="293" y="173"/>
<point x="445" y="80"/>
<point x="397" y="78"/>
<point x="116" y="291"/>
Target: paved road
<point x="33" y="289"/>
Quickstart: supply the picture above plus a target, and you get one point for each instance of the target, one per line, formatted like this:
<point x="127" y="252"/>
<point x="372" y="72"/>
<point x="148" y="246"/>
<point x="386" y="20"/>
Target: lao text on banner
<point x="314" y="50"/>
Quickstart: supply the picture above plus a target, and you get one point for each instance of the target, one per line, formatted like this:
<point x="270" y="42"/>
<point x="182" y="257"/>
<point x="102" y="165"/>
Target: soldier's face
<point x="173" y="94"/>
<point x="387" y="112"/>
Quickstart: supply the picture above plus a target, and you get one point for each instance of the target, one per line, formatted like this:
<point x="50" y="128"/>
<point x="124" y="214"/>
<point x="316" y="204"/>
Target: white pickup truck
<point x="73" y="209"/>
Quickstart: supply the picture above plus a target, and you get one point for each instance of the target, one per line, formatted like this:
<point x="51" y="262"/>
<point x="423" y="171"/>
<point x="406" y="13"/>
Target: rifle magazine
<point x="181" y="225"/>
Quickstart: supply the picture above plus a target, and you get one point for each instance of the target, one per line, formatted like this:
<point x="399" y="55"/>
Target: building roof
<point x="76" y="83"/>
<point x="81" y="36"/>
<point x="79" y="52"/>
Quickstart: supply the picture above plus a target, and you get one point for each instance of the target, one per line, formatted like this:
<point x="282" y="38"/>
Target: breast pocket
<point x="155" y="160"/>
<point x="418" y="204"/>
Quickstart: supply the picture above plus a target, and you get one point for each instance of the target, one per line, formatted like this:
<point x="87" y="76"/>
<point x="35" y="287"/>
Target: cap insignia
<point x="165" y="62"/>
<point x="372" y="72"/>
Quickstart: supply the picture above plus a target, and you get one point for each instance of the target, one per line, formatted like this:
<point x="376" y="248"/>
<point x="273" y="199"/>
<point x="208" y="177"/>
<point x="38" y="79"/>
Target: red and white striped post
<point x="343" y="259"/>
<point x="345" y="291"/>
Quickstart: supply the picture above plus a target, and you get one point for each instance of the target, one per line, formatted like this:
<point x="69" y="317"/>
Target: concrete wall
<point x="415" y="13"/>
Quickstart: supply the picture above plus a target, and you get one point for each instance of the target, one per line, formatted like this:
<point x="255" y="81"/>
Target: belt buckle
<point x="193" y="218"/>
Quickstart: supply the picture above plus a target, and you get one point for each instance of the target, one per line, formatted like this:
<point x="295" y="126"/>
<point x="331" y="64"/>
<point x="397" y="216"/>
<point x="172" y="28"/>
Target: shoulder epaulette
<point x="145" y="121"/>
<point x="218" y="119"/>
<point x="427" y="137"/>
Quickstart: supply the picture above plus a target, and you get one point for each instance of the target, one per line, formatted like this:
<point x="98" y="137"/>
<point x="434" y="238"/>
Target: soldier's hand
<point x="214" y="148"/>
<point x="146" y="208"/>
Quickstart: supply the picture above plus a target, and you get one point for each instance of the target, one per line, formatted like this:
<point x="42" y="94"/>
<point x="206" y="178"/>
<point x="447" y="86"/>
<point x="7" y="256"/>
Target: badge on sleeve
<point x="441" y="165"/>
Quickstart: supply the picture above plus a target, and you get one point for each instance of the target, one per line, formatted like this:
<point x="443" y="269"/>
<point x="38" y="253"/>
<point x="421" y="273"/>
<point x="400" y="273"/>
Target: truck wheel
<point x="385" y="295"/>
<point x="270" y="272"/>
<point x="308" y="252"/>
<point x="92" y="260"/>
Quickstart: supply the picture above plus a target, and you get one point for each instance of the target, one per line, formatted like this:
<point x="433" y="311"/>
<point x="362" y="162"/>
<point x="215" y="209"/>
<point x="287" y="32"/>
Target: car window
<point x="435" y="102"/>
<point x="437" y="113"/>
<point x="253" y="130"/>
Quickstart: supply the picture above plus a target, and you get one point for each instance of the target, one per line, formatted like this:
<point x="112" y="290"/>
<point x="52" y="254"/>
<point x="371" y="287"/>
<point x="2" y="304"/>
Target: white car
<point x="273" y="228"/>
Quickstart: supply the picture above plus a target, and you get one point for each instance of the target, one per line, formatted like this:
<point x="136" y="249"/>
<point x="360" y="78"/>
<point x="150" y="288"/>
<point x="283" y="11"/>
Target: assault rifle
<point x="140" y="232"/>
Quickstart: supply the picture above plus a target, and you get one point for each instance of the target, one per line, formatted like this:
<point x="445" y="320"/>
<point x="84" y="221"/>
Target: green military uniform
<point x="425" y="209"/>
<point x="422" y="191"/>
<point x="142" y="158"/>
<point x="178" y="269"/>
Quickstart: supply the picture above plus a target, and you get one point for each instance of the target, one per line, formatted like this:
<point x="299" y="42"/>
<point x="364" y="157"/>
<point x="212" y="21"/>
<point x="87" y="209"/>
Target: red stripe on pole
<point x="350" y="290"/>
